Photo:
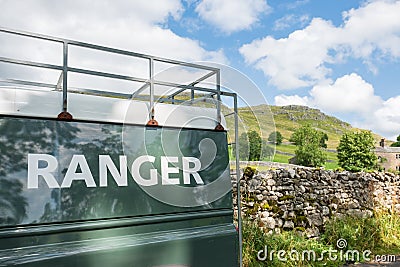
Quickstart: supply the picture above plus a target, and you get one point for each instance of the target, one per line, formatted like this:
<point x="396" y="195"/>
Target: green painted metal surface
<point x="102" y="194"/>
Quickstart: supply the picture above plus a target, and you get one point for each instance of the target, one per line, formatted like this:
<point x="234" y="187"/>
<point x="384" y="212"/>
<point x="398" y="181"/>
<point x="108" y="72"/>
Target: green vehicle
<point x="95" y="177"/>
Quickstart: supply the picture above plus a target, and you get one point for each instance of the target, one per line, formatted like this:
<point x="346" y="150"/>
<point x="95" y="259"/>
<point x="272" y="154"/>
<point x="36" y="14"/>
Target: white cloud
<point x="349" y="93"/>
<point x="386" y="118"/>
<point x="370" y="33"/>
<point x="296" y="61"/>
<point x="296" y="4"/>
<point x="301" y="59"/>
<point x="285" y="100"/>
<point x="373" y="27"/>
<point x="132" y="25"/>
<point x="290" y="20"/>
<point x="232" y="15"/>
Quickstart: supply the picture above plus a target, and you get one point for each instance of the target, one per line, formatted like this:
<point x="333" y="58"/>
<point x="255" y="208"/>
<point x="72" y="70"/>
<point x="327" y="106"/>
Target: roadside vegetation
<point x="379" y="234"/>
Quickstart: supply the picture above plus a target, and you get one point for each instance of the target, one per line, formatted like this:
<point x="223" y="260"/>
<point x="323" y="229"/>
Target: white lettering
<point x="187" y="171"/>
<point x="34" y="171"/>
<point x="281" y="255"/>
<point x="72" y="175"/>
<point x="166" y="170"/>
<point x="45" y="165"/>
<point x="263" y="258"/>
<point x="106" y="163"/>
<point x="366" y="255"/>
<point x="136" y="171"/>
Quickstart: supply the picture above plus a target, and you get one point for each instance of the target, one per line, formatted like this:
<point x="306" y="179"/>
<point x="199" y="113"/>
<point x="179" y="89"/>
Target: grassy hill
<point x="287" y="119"/>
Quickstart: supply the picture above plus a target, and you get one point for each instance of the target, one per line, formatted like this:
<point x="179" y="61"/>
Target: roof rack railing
<point x="62" y="83"/>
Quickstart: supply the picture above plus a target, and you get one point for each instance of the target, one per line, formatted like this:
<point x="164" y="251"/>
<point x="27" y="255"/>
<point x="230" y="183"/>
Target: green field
<point x="331" y="164"/>
<point x="332" y="161"/>
<point x="286" y="148"/>
<point x="281" y="158"/>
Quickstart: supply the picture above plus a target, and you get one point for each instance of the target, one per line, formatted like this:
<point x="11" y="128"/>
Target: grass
<point x="331" y="164"/>
<point x="282" y="158"/>
<point x="285" y="159"/>
<point x="380" y="235"/>
<point x="255" y="240"/>
<point x="286" y="148"/>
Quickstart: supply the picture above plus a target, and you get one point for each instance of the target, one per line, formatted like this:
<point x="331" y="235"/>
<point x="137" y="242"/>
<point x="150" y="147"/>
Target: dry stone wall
<point x="304" y="199"/>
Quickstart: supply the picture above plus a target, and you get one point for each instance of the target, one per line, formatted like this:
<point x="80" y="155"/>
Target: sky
<point x="340" y="56"/>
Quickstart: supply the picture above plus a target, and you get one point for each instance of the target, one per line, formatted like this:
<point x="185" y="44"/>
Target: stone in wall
<point x="304" y="199"/>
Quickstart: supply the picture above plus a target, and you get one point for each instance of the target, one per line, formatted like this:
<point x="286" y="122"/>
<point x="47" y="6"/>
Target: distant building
<point x="388" y="157"/>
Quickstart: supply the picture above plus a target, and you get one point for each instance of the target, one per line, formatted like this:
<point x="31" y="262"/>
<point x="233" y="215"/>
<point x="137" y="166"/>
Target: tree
<point x="309" y="151"/>
<point x="396" y="144"/>
<point x="324" y="139"/>
<point x="356" y="151"/>
<point x="298" y="136"/>
<point x="250" y="146"/>
<point x="267" y="151"/>
<point x="275" y="137"/>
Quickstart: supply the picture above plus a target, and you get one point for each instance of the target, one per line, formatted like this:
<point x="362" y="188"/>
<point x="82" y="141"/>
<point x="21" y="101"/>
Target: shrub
<point x="356" y="151"/>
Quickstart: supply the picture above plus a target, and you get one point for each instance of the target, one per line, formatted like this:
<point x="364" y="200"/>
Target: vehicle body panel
<point x="113" y="225"/>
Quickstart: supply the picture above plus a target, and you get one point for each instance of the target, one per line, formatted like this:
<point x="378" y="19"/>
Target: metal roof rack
<point x="149" y="83"/>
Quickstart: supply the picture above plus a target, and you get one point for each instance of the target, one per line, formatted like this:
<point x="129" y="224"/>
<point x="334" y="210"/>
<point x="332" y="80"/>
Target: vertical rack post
<point x="152" y="121"/>
<point x="219" y="96"/>
<point x="219" y="127"/>
<point x="65" y="115"/>
<point x="192" y="94"/>
<point x="238" y="177"/>
<point x="65" y="76"/>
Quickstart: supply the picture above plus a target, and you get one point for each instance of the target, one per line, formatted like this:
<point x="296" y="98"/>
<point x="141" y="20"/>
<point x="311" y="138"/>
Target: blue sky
<point x="339" y="56"/>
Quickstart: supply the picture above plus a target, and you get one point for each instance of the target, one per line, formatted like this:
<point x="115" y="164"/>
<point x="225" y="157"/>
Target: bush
<point x="356" y="151"/>
<point x="253" y="148"/>
<point x="310" y="144"/>
<point x="275" y="137"/>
